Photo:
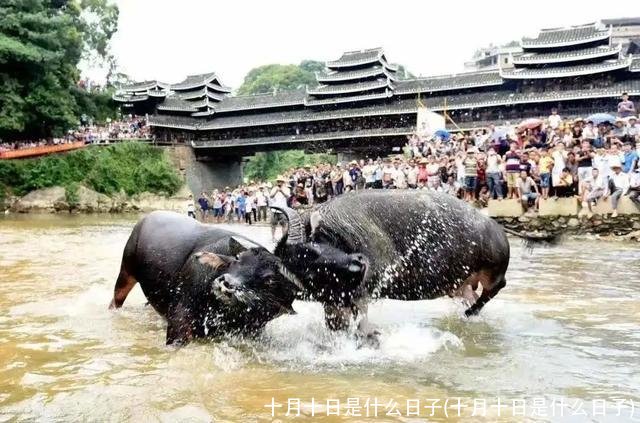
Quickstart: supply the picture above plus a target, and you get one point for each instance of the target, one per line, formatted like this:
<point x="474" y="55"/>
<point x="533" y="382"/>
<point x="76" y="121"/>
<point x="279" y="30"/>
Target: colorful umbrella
<point x="530" y="123"/>
<point x="443" y="134"/>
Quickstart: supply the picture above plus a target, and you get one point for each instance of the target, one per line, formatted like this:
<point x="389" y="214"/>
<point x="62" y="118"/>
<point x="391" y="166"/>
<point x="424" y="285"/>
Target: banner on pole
<point x="428" y="122"/>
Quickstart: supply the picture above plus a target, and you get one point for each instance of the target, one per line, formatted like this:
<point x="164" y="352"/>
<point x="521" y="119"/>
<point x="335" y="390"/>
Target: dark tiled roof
<point x="140" y="86"/>
<point x="501" y="98"/>
<point x="291" y="139"/>
<point x="195" y="81"/>
<point x="190" y="95"/>
<point x="126" y="98"/>
<point x="350" y="75"/>
<point x="262" y="101"/>
<point x="172" y="121"/>
<point x="355" y="58"/>
<point x="566" y="36"/>
<point x="448" y="82"/>
<point x="221" y="122"/>
<point x="565" y="71"/>
<point x="566" y="56"/>
<point x="351" y="99"/>
<point x="175" y="103"/>
<point x="349" y="88"/>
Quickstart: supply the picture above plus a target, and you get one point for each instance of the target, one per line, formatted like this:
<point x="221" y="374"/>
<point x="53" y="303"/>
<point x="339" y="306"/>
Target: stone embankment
<point x="565" y="215"/>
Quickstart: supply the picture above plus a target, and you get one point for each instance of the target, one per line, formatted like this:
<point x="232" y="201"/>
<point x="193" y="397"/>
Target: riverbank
<point x="127" y="173"/>
<point x="85" y="200"/>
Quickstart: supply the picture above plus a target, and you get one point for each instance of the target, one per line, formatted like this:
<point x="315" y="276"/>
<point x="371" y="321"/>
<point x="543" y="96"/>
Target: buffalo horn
<point x="295" y="231"/>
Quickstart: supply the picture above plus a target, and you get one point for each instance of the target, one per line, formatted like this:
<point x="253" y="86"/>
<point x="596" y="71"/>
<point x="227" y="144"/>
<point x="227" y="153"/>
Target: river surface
<point x="560" y="343"/>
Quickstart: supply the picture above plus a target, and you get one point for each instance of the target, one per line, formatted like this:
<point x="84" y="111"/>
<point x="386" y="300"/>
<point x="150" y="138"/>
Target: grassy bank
<point x="129" y="167"/>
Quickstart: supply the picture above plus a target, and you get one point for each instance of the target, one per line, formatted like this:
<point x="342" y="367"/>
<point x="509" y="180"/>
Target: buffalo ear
<point x="216" y="261"/>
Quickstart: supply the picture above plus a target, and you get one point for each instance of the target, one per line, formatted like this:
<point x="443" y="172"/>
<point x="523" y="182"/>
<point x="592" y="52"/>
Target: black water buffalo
<point x="203" y="280"/>
<point x="416" y="245"/>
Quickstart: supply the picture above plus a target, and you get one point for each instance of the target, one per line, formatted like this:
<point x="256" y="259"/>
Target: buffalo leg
<point x="123" y="286"/>
<point x="338" y="318"/>
<point x="490" y="288"/>
<point x="179" y="326"/>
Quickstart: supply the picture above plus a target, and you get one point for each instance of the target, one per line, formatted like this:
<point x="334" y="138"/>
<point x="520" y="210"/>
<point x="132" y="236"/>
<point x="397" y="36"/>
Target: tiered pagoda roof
<point x="567" y="52"/>
<point x="562" y="37"/>
<point x="599" y="52"/>
<point x="355" y="77"/>
<point x="559" y="65"/>
<point x="140" y="91"/>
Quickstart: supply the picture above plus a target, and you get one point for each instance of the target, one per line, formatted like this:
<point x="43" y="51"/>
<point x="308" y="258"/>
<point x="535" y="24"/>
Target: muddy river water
<point x="560" y="343"/>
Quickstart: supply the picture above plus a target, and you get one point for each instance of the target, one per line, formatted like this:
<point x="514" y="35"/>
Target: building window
<point x="506" y="60"/>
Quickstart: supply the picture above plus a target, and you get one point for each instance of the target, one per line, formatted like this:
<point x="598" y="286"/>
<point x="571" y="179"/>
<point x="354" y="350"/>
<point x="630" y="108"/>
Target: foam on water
<point x="304" y="340"/>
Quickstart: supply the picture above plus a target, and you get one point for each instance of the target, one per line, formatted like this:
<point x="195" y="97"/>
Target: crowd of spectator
<point x="552" y="158"/>
<point x="130" y="127"/>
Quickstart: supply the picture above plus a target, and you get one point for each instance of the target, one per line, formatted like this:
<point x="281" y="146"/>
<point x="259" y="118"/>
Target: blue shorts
<point x="529" y="197"/>
<point x="217" y="212"/>
<point x="545" y="180"/>
<point x="470" y="183"/>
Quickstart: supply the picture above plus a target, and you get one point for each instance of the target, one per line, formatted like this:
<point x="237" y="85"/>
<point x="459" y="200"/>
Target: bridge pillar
<point x="207" y="175"/>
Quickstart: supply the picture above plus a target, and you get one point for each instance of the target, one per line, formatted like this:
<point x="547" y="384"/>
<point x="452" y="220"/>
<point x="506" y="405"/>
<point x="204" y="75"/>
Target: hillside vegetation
<point x="129" y="167"/>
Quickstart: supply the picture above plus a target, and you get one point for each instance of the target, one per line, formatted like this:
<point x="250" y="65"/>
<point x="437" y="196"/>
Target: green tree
<point x="41" y="44"/>
<point x="276" y="78"/>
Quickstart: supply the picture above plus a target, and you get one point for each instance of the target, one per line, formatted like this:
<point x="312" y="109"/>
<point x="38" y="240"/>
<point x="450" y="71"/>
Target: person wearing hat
<point x="618" y="186"/>
<point x="278" y="197"/>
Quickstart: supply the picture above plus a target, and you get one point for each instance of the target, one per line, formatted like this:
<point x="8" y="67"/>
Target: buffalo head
<point x="326" y="273"/>
<point x="249" y="288"/>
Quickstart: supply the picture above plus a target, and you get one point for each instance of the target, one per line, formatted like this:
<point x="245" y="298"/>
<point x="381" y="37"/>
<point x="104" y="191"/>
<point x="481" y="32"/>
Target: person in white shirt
<point x="261" y="204"/>
<point x="191" y="207"/>
<point x="278" y="198"/>
<point x="594" y="188"/>
<point x="368" y="172"/>
<point x="618" y="186"/>
<point x="554" y="119"/>
<point x="387" y="175"/>
<point x="399" y="178"/>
